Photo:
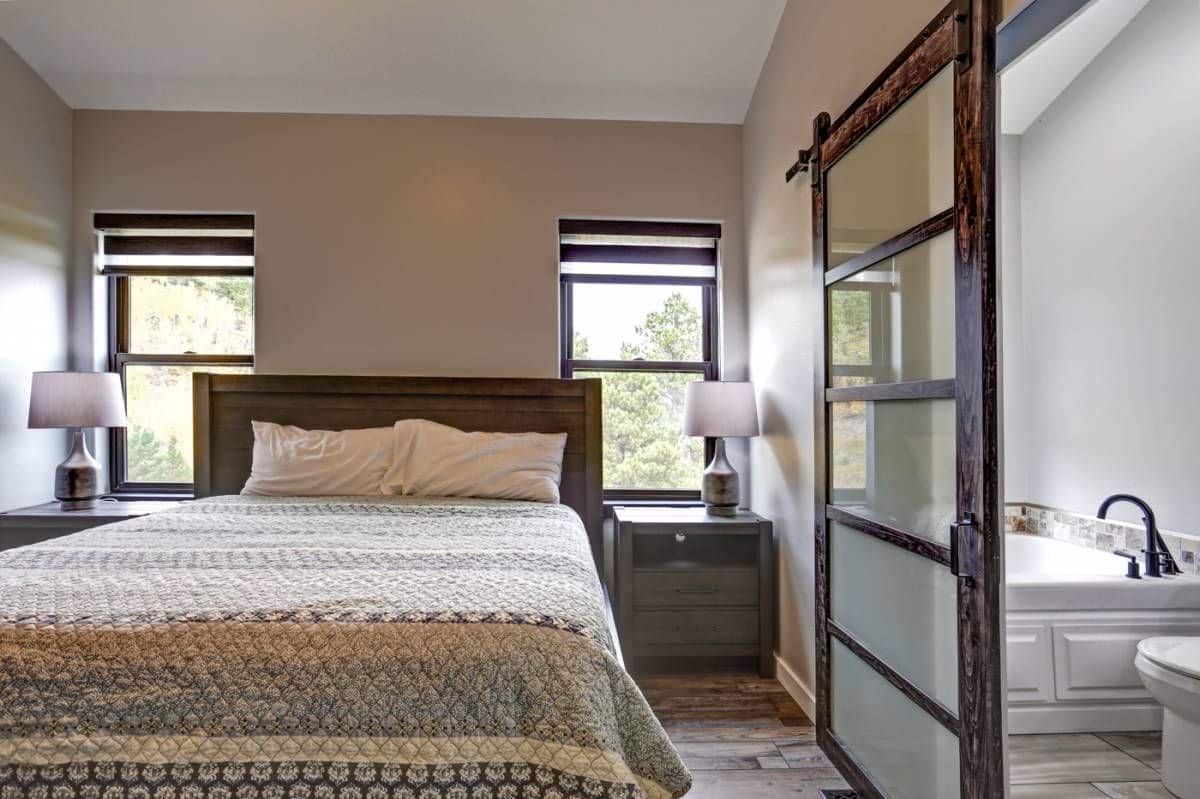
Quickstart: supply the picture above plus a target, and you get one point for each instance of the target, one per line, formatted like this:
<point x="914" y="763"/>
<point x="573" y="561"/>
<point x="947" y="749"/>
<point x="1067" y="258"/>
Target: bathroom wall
<point x="1012" y="338"/>
<point x="35" y="214"/>
<point x="1100" y="280"/>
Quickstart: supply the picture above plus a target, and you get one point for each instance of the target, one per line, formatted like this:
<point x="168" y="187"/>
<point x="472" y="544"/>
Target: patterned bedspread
<point x="358" y="648"/>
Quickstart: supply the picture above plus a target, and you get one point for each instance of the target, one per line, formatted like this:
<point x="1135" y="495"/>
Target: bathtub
<point x="1073" y="624"/>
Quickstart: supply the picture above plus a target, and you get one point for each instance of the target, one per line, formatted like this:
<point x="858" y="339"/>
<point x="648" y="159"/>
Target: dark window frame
<point x="706" y="369"/>
<point x="878" y="371"/>
<point x="120" y="333"/>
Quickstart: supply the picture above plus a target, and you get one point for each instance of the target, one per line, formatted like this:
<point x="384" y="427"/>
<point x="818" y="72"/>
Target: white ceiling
<point x="1030" y="84"/>
<point x="663" y="60"/>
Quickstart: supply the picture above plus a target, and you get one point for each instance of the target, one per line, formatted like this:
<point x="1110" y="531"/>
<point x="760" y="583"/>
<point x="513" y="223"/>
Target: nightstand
<point x="46" y="521"/>
<point x="693" y="589"/>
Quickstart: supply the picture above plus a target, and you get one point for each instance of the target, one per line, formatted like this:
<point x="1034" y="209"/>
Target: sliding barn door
<point x="908" y="512"/>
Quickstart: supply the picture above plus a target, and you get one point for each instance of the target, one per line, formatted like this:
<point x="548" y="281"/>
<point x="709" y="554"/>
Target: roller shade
<point x="175" y="244"/>
<point x="591" y="250"/>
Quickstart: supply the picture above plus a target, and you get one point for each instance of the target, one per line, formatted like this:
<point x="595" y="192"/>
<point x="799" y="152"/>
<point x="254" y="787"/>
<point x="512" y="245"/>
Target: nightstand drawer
<point x="693" y="547"/>
<point x="667" y="588"/>
<point x="708" y="626"/>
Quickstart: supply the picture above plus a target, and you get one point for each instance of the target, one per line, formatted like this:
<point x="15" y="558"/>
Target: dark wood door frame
<point x="980" y="600"/>
<point x="963" y="32"/>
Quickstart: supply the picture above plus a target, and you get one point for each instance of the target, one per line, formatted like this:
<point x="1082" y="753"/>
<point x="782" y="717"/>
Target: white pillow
<point x="293" y="462"/>
<point x="435" y="460"/>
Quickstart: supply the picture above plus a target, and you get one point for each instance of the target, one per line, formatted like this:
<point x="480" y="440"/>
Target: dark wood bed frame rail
<point x="224" y="406"/>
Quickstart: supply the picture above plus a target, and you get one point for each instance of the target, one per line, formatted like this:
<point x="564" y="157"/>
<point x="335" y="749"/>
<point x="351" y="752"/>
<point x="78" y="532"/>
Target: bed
<point x="331" y="647"/>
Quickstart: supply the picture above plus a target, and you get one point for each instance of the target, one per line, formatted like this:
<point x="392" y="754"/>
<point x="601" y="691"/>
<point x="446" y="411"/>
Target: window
<point x="639" y="311"/>
<point x="181" y="300"/>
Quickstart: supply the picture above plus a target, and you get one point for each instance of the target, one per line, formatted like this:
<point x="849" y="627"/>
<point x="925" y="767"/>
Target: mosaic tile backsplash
<point x="1106" y="534"/>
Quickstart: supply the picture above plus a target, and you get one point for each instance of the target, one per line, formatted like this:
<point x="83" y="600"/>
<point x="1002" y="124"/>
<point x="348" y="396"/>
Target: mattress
<point x="321" y="648"/>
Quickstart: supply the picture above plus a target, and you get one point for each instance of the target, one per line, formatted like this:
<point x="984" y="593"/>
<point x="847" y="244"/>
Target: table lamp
<point x="77" y="400"/>
<point x="720" y="410"/>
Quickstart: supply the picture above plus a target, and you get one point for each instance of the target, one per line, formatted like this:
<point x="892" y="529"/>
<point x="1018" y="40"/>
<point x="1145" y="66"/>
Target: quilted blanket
<point x="320" y="648"/>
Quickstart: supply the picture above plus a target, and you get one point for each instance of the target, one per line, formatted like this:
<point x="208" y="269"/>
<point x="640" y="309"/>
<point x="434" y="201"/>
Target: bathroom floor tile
<point x="1145" y="746"/>
<point x="1135" y="790"/>
<point x="1077" y="758"/>
<point x="1056" y="790"/>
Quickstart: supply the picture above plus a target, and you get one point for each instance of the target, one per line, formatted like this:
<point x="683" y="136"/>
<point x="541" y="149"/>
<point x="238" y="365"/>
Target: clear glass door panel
<point x="894" y="462"/>
<point x="895" y="320"/>
<point x="906" y="750"/>
<point x="901" y="174"/>
<point x="902" y="606"/>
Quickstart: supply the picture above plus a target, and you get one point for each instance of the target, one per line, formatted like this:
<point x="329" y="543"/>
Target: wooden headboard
<point x="224" y="406"/>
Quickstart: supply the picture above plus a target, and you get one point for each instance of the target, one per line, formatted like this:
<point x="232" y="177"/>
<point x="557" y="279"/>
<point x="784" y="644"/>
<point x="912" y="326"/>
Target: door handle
<point x="964" y="547"/>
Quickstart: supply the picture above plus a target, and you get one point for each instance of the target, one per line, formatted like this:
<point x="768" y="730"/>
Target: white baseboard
<point x="1095" y="717"/>
<point x="791" y="683"/>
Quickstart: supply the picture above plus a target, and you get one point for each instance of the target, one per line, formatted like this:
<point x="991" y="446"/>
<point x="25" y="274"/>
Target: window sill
<point x="150" y="496"/>
<point x="609" y="504"/>
<point x="646" y="502"/>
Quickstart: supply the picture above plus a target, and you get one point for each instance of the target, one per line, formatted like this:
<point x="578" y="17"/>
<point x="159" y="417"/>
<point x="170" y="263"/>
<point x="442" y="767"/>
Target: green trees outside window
<point x="644" y="445"/>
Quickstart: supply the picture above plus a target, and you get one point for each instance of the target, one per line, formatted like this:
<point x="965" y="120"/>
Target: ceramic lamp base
<point x="78" y="504"/>
<point x="77" y="479"/>
<point x="720" y="489"/>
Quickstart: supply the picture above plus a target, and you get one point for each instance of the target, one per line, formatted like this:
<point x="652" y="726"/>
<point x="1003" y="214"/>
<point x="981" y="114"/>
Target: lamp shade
<point x="721" y="410"/>
<point x="76" y="399"/>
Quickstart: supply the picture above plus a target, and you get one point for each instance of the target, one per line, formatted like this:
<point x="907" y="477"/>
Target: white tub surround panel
<point x="1073" y="626"/>
<point x="1074" y="671"/>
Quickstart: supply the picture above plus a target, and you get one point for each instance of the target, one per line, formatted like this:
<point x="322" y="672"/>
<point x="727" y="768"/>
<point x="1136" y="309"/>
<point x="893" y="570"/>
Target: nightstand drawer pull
<point x="680" y="538"/>
<point x="698" y="589"/>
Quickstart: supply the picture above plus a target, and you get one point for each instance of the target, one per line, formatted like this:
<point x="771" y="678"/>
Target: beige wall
<point x="35" y="213"/>
<point x="408" y="245"/>
<point x="823" y="55"/>
<point x="1010" y="7"/>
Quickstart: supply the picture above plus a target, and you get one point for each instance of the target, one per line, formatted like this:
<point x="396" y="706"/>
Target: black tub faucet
<point x="1158" y="557"/>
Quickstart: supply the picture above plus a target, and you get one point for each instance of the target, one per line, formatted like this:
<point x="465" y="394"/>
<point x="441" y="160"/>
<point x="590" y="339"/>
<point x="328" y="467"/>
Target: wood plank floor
<point x="740" y="736"/>
<point x="743" y="736"/>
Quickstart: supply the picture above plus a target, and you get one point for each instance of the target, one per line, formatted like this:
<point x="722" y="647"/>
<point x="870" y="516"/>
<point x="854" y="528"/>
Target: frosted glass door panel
<point x="895" y="321"/>
<point x="894" y="461"/>
<point x="910" y="754"/>
<point x="900" y="605"/>
<point x="901" y="174"/>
